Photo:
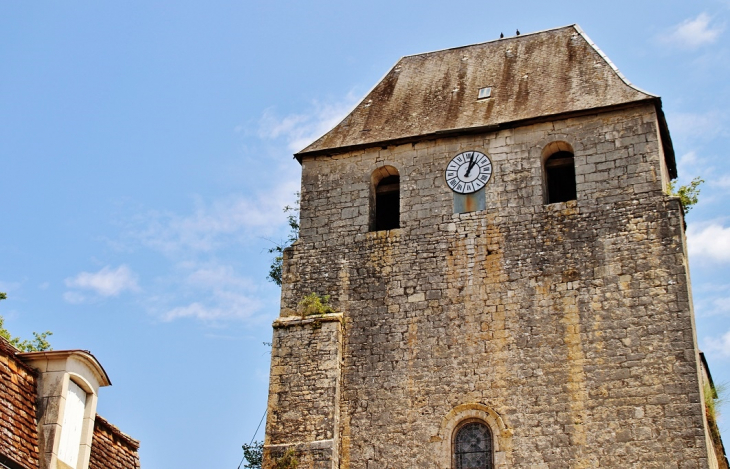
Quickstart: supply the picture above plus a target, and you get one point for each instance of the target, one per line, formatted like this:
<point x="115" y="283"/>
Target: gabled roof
<point x="547" y="73"/>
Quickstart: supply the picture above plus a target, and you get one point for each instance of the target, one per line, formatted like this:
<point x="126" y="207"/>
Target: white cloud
<point x="687" y="162"/>
<point x="693" y="32"/>
<point x="237" y="219"/>
<point x="710" y="242"/>
<point x="708" y="305"/>
<point x="299" y="130"/>
<point x="219" y="276"/>
<point x="720" y="345"/>
<point x="7" y="287"/>
<point x="197" y="286"/>
<point x="721" y="305"/>
<point x="211" y="226"/>
<point x="691" y="126"/>
<point x="688" y="158"/>
<point x="105" y="283"/>
<point x="219" y="293"/>
<point x="722" y="182"/>
<point x="73" y="297"/>
<point x="241" y="309"/>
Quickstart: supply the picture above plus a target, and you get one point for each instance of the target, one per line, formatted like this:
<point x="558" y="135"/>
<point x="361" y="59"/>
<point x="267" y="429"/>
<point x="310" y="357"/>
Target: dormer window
<point x="68" y="391"/>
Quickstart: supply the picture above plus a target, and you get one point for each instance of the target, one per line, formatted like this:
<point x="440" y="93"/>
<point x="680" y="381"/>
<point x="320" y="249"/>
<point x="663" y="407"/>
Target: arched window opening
<point x="473" y="446"/>
<point x="560" y="177"/>
<point x="385" y="211"/>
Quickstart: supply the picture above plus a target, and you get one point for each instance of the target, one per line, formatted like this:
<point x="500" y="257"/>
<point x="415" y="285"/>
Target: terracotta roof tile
<point x="18" y="426"/>
<point x="112" y="449"/>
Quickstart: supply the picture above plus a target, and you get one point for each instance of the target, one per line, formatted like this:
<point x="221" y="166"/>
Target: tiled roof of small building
<point x="18" y="429"/>
<point x="547" y="73"/>
<point x="112" y="449"/>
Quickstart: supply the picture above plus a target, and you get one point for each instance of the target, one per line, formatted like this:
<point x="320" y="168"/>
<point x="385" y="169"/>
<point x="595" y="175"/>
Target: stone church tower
<point x="508" y="273"/>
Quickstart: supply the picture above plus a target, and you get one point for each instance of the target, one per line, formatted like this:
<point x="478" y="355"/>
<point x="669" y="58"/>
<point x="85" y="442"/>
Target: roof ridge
<point x="489" y="42"/>
<point x="423" y="94"/>
<point x="610" y="63"/>
<point x="115" y="430"/>
<point x="388" y="71"/>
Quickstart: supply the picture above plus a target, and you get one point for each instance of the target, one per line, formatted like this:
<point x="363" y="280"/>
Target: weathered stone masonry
<point x="568" y="326"/>
<point x="305" y="381"/>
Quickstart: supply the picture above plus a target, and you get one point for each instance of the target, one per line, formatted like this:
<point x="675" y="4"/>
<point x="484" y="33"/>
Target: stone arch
<point x="464" y="413"/>
<point x="555" y="146"/>
<point x="81" y="382"/>
<point x="384" y="199"/>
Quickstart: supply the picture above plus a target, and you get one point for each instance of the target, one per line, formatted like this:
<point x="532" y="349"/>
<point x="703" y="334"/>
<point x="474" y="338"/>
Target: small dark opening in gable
<point x="560" y="174"/>
<point x="387" y="203"/>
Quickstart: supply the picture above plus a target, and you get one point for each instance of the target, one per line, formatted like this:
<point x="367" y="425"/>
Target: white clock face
<point x="468" y="172"/>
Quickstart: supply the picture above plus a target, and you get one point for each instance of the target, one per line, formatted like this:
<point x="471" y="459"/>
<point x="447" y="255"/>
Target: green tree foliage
<point x="688" y="194"/>
<point x="278" y="249"/>
<point x="253" y="454"/>
<point x="39" y="343"/>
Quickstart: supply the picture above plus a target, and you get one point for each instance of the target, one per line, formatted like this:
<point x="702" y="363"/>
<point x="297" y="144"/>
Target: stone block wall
<point x="570" y="323"/>
<point x="304" y="391"/>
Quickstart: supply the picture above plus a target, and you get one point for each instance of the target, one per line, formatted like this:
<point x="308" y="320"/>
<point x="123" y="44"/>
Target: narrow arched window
<point x="473" y="446"/>
<point x="385" y="200"/>
<point x="560" y="173"/>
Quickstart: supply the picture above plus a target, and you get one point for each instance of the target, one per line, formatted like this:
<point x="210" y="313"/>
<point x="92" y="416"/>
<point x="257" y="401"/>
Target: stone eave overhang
<point x="666" y="139"/>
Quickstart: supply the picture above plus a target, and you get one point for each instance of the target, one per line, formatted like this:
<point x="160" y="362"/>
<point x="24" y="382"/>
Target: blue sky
<point x="146" y="153"/>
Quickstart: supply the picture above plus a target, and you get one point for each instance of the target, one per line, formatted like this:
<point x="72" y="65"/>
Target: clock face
<point x="468" y="172"/>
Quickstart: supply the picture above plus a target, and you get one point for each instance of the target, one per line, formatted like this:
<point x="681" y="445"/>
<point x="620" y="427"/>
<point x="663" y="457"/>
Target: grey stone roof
<point x="531" y="76"/>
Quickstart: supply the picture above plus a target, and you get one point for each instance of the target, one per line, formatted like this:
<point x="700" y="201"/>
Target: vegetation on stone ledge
<point x="39" y="343"/>
<point x="314" y="304"/>
<point x="288" y="460"/>
<point x="688" y="194"/>
<point x="714" y="400"/>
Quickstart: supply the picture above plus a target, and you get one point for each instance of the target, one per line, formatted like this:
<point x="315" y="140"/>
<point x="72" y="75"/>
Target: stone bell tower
<point x="508" y="274"/>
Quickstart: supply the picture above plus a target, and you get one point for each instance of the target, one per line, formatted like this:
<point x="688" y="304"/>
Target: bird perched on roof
<point x="501" y="35"/>
<point x="518" y="32"/>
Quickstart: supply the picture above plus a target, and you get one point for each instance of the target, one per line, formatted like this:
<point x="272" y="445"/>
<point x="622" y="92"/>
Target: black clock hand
<point x="471" y="165"/>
